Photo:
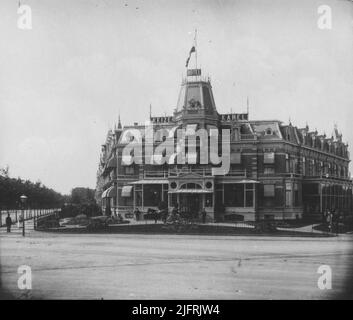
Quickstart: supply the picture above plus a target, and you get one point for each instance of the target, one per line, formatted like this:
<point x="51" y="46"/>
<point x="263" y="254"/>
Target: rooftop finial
<point x="150" y="111"/>
<point x="119" y="123"/>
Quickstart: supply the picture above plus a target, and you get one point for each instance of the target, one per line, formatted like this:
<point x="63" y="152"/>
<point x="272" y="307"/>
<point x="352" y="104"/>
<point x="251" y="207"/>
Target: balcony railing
<point x="327" y="176"/>
<point x="280" y="174"/>
<point x="237" y="173"/>
<point x="204" y="172"/>
<point x="155" y="174"/>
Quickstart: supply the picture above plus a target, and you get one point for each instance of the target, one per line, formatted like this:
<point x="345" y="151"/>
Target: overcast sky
<point x="63" y="83"/>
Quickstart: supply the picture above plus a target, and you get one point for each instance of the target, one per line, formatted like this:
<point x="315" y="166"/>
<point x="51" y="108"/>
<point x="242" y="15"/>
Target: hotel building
<point x="276" y="171"/>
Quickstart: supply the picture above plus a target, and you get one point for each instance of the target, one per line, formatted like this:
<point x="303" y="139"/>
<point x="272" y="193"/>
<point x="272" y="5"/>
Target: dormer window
<point x="268" y="131"/>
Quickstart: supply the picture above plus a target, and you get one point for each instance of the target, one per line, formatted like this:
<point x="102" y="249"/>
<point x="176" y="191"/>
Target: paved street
<point x="113" y="266"/>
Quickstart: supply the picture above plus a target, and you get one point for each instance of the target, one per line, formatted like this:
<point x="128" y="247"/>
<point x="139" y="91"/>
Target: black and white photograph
<point x="176" y="150"/>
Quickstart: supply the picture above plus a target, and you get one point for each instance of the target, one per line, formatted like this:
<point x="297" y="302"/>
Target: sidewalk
<point x="309" y="229"/>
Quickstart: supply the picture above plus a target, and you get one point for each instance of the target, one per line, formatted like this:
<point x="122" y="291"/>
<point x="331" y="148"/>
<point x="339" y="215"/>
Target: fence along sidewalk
<point x="28" y="214"/>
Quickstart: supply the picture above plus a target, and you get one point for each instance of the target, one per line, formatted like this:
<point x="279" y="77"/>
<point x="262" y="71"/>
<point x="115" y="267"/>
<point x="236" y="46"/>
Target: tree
<point x="39" y="196"/>
<point x="4" y="172"/>
<point x="82" y="195"/>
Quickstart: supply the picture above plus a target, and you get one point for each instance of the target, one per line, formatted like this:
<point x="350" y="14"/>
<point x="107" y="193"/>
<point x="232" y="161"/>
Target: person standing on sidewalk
<point x="8" y="222"/>
<point x="203" y="214"/>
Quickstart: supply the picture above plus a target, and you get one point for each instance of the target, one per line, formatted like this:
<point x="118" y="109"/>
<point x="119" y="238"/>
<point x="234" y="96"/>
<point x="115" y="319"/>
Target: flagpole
<point x="195" y="41"/>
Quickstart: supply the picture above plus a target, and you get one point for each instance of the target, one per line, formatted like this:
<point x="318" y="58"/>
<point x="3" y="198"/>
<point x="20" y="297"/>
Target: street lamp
<point x="23" y="202"/>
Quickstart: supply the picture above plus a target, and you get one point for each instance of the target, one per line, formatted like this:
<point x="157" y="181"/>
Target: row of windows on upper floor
<point x="336" y="148"/>
<point x="238" y="158"/>
<point x="271" y="165"/>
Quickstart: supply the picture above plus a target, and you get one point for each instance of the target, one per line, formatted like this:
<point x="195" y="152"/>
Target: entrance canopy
<point x="190" y="191"/>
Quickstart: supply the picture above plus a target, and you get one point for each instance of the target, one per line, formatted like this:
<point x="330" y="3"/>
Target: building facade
<point x="276" y="171"/>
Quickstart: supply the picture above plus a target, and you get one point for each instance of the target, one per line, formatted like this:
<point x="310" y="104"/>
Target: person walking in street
<point x="8" y="222"/>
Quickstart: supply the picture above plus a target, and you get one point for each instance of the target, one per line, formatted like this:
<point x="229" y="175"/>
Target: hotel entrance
<point x="192" y="198"/>
<point x="190" y="204"/>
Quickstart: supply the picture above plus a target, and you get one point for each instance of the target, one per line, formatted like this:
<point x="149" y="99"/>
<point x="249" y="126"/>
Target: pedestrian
<point x="108" y="211"/>
<point x="165" y="215"/>
<point x="155" y="216"/>
<point x="8" y="222"/>
<point x="175" y="210"/>
<point x="203" y="213"/>
<point x="162" y="207"/>
<point x="137" y="214"/>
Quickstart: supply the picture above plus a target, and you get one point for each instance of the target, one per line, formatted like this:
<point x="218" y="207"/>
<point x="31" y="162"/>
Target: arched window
<point x="190" y="186"/>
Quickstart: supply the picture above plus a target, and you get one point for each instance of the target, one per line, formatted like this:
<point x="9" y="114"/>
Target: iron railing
<point x="16" y="215"/>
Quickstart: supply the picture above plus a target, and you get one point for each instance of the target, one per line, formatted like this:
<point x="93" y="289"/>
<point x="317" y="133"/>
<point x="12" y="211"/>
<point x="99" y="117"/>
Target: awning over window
<point x="156" y="181"/>
<point x="126" y="191"/>
<point x="112" y="162"/>
<point x="109" y="193"/>
<point x="126" y="160"/>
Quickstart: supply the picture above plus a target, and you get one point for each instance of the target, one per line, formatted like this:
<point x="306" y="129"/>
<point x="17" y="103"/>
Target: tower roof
<point x="196" y="95"/>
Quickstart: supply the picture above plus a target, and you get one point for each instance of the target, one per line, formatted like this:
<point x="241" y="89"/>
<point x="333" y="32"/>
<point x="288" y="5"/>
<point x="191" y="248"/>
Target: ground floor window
<point x="288" y="194"/>
<point x="268" y="195"/>
<point x="234" y="195"/>
<point x="296" y="195"/>
<point x="249" y="195"/>
<point x="271" y="195"/>
<point x="239" y="195"/>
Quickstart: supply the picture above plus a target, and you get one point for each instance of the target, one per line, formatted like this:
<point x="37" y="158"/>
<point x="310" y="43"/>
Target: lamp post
<point x="23" y="202"/>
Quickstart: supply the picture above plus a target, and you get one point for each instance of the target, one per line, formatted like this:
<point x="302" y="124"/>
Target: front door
<point x="190" y="205"/>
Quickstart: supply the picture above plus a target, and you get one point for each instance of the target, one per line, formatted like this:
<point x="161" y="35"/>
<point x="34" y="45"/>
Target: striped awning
<point x="109" y="193"/>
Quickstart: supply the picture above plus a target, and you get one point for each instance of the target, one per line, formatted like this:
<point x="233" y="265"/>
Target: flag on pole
<point x="191" y="51"/>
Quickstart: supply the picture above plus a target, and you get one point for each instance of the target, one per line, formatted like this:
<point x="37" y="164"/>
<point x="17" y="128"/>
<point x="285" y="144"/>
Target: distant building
<point x="277" y="171"/>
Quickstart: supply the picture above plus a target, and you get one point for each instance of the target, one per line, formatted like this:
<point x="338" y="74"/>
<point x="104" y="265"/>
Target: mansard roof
<point x="196" y="95"/>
